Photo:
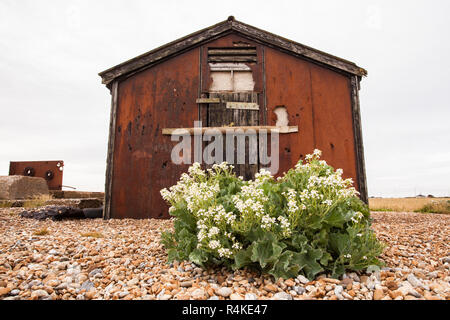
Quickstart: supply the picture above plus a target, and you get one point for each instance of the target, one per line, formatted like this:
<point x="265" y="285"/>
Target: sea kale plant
<point x="306" y="222"/>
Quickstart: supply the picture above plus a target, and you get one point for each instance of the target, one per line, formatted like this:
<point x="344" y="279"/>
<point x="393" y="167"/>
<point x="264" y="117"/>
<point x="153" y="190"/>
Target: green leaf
<point x="284" y="268"/>
<point x="243" y="258"/>
<point x="187" y="242"/>
<point x="339" y="243"/>
<point x="198" y="256"/>
<point x="307" y="261"/>
<point x="172" y="255"/>
<point x="299" y="241"/>
<point x="326" y="257"/>
<point x="266" y="251"/>
<point x="337" y="217"/>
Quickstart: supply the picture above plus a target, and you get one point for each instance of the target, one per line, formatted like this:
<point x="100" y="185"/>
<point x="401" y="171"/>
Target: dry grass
<point x="41" y="232"/>
<point x="442" y="206"/>
<point x="38" y="201"/>
<point x="92" y="234"/>
<point x="437" y="205"/>
<point x="5" y="204"/>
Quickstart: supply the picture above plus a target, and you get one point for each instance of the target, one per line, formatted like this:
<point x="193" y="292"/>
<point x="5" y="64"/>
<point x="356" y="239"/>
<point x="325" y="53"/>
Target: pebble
<point x="14" y="292"/>
<point x="300" y="290"/>
<point x="224" y="292"/>
<point x="302" y="279"/>
<point x="198" y="294"/>
<point x="87" y="285"/>
<point x="133" y="282"/>
<point x="94" y="272"/>
<point x="378" y="294"/>
<point x="186" y="284"/>
<point x="4" y="291"/>
<point x="289" y="283"/>
<point x="236" y="296"/>
<point x="282" y="296"/>
<point x="414" y="281"/>
<point x="37" y="294"/>
<point x="250" y="296"/>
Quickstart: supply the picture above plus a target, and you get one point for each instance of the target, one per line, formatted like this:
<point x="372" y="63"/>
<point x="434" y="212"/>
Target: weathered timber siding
<point x="160" y="97"/>
<point x="318" y="101"/>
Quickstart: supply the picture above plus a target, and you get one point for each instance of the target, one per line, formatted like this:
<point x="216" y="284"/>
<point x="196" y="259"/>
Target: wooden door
<point x="233" y="110"/>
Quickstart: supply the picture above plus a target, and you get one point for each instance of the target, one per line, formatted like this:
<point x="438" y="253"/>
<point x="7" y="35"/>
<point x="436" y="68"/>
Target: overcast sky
<point x="54" y="107"/>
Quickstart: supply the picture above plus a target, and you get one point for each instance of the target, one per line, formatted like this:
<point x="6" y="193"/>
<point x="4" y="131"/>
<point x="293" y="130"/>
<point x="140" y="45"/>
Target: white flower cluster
<point x="331" y="184"/>
<point x="211" y="224"/>
<point x="316" y="153"/>
<point x="310" y="195"/>
<point x="192" y="188"/>
<point x="267" y="222"/>
<point x="250" y="201"/>
<point x="285" y="226"/>
<point x="292" y="206"/>
<point x="262" y="176"/>
<point x="357" y="216"/>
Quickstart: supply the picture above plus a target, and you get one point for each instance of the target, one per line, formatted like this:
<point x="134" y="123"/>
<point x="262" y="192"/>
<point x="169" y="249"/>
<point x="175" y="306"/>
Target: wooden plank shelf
<point x="184" y="131"/>
<point x="207" y="100"/>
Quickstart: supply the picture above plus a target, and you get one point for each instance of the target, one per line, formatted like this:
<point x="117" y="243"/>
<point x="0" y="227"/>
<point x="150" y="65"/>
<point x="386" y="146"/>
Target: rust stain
<point x="49" y="170"/>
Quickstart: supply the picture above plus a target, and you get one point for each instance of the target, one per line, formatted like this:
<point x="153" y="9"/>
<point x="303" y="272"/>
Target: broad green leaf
<point x="198" y="257"/>
<point x="243" y="258"/>
<point x="267" y="250"/>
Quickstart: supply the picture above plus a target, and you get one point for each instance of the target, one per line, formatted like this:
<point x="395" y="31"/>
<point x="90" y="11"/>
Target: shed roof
<point x="218" y="30"/>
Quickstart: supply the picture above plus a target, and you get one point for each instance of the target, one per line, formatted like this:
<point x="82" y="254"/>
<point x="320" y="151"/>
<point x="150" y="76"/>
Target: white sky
<point x="54" y="107"/>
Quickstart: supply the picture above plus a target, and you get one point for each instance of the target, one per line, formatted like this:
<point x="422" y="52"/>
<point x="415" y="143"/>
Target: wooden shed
<point x="203" y="76"/>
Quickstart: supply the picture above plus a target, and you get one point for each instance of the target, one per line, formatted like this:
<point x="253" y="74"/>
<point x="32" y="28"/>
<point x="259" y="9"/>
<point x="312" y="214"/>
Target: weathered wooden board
<point x="219" y="115"/>
<point x="225" y="129"/>
<point x="242" y="105"/>
<point x="233" y="51"/>
<point x="359" y="148"/>
<point x="207" y="100"/>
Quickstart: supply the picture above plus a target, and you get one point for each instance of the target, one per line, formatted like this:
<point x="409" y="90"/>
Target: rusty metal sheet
<point x="333" y="121"/>
<point x="51" y="171"/>
<point x="163" y="96"/>
<point x="317" y="99"/>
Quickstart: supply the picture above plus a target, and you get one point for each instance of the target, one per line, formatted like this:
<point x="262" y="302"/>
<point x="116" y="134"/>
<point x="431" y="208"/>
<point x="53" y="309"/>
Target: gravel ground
<point x="122" y="259"/>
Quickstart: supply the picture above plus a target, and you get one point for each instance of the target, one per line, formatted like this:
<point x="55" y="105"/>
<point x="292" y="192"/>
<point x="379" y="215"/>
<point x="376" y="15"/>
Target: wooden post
<point x="359" y="148"/>
<point x="110" y="157"/>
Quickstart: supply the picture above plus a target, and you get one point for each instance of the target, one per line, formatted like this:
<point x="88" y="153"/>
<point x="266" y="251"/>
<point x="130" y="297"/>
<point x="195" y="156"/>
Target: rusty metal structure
<point x="51" y="171"/>
<point x="188" y="80"/>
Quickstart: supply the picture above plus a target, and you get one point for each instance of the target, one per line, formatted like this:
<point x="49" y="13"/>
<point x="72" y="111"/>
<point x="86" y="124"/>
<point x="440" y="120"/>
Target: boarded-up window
<point x="232" y="81"/>
<point x="229" y="69"/>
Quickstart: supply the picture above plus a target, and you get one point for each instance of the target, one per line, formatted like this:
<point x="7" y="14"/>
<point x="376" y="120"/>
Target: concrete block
<point x="22" y="187"/>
